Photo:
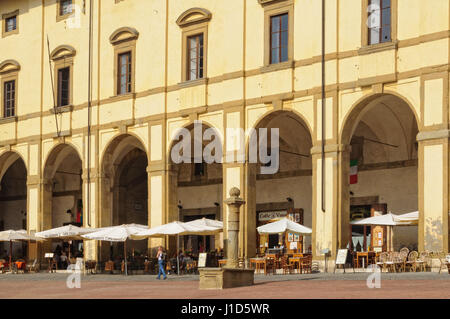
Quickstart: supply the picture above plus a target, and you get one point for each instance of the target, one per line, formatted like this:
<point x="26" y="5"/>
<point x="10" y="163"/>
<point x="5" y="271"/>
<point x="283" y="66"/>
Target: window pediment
<point x="63" y="51"/>
<point x="266" y="2"/>
<point x="9" y="66"/>
<point x="193" y="16"/>
<point x="123" y="34"/>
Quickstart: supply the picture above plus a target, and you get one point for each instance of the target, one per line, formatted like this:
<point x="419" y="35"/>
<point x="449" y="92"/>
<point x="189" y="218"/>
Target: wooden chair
<point x="269" y="266"/>
<point x="109" y="266"/>
<point x="443" y="260"/>
<point x="285" y="265"/>
<point x="422" y="260"/>
<point x="381" y="262"/>
<point x="276" y="263"/>
<point x="398" y="261"/>
<point x="411" y="262"/>
<point x="53" y="265"/>
<point x="389" y="262"/>
<point x="33" y="266"/>
<point x="306" y="264"/>
<point x="403" y="254"/>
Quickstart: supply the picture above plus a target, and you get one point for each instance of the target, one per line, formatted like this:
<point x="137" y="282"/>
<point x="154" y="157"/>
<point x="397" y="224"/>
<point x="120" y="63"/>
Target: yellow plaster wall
<point x="433" y="197"/>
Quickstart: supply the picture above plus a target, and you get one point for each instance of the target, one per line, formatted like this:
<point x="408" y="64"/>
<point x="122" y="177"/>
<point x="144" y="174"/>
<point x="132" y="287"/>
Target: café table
<point x="365" y="255"/>
<point x="222" y="262"/>
<point x="260" y="263"/>
<point x="295" y="261"/>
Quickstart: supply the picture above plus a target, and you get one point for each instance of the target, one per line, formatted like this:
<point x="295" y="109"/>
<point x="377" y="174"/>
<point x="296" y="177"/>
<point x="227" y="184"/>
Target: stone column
<point x="162" y="203"/>
<point x="330" y="227"/>
<point x="234" y="203"/>
<point x="93" y="213"/>
<point x="433" y="190"/>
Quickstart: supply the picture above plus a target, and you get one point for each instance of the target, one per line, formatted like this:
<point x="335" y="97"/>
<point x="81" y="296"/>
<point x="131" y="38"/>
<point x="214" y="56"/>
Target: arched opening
<point x="13" y="201"/>
<point x="383" y="175"/>
<point x="124" y="197"/>
<point x="198" y="183"/>
<point x="288" y="191"/>
<point x="63" y="199"/>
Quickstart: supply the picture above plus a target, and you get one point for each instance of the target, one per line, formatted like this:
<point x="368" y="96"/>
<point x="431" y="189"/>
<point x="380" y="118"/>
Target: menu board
<point x="341" y="257"/>
<point x="202" y="260"/>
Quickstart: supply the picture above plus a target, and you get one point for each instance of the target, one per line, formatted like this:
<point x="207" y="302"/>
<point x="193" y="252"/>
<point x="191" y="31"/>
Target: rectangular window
<point x="199" y="169"/>
<point x="64" y="86"/>
<point x="9" y="97"/>
<point x="195" y="57"/>
<point x="65" y="7"/>
<point x="11" y="24"/>
<point x="124" y="73"/>
<point x="379" y="21"/>
<point x="279" y="35"/>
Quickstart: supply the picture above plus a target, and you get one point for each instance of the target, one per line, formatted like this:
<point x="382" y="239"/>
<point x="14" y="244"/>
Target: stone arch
<point x="268" y="116"/>
<point x="196" y="187"/>
<point x="117" y="148"/>
<point x="7" y="159"/>
<point x="290" y="189"/>
<point x="192" y="16"/>
<point x="382" y="131"/>
<point x="359" y="107"/>
<point x="63" y="186"/>
<point x="56" y="155"/>
<point x="13" y="195"/>
<point x="189" y="126"/>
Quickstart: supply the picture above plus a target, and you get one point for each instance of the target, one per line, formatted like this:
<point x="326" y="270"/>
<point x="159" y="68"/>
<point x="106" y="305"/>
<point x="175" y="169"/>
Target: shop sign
<point x="272" y="215"/>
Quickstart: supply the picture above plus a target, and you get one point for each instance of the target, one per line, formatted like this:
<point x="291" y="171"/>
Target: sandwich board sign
<point x="202" y="260"/>
<point x="341" y="258"/>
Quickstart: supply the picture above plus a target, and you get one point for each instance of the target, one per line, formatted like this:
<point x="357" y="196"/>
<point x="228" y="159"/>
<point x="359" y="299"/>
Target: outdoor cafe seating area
<point x="270" y="261"/>
<point x="403" y="260"/>
<point x="279" y="262"/>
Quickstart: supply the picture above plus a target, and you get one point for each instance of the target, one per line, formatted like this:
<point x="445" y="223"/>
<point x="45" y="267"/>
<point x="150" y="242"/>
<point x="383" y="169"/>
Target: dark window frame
<point x="9" y="104"/>
<point x="6" y="24"/>
<point x="128" y="73"/>
<point x="199" y="57"/>
<point x="371" y="41"/>
<point x="281" y="33"/>
<point x="63" y="85"/>
<point x="63" y="6"/>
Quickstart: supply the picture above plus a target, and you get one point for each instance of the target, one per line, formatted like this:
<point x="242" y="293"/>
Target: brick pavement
<point x="319" y="286"/>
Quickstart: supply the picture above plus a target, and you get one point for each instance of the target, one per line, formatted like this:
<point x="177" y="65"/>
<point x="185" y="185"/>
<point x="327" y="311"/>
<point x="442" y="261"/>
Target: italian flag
<point x="353" y="172"/>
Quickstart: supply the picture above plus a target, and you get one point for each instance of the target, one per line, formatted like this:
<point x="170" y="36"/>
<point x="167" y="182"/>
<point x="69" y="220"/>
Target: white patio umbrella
<point x="175" y="228"/>
<point x="117" y="234"/>
<point x="409" y="219"/>
<point x="207" y="222"/>
<point x="282" y="226"/>
<point x="15" y="235"/>
<point x="68" y="232"/>
<point x="388" y="219"/>
<point x="381" y="220"/>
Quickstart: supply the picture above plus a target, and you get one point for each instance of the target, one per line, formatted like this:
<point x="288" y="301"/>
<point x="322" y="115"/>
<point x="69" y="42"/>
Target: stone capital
<point x="331" y="148"/>
<point x="433" y="135"/>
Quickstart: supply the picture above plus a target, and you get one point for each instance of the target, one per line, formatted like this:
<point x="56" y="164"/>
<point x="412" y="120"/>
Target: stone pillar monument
<point x="231" y="275"/>
<point x="234" y="203"/>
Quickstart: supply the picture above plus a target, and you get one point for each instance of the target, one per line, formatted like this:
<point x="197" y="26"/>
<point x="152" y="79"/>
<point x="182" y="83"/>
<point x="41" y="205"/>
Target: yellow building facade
<point x="102" y="87"/>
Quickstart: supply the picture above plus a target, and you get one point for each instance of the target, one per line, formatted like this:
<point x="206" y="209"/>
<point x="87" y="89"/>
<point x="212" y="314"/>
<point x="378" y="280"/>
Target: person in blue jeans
<point x="161" y="255"/>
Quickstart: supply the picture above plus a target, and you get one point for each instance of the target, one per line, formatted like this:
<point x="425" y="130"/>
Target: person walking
<point x="161" y="255"/>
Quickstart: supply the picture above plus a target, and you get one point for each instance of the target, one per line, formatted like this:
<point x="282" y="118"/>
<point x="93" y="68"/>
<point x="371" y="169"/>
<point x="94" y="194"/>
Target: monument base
<point x="222" y="278"/>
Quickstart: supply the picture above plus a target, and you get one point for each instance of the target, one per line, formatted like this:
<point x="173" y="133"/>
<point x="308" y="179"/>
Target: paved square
<point x="311" y="286"/>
